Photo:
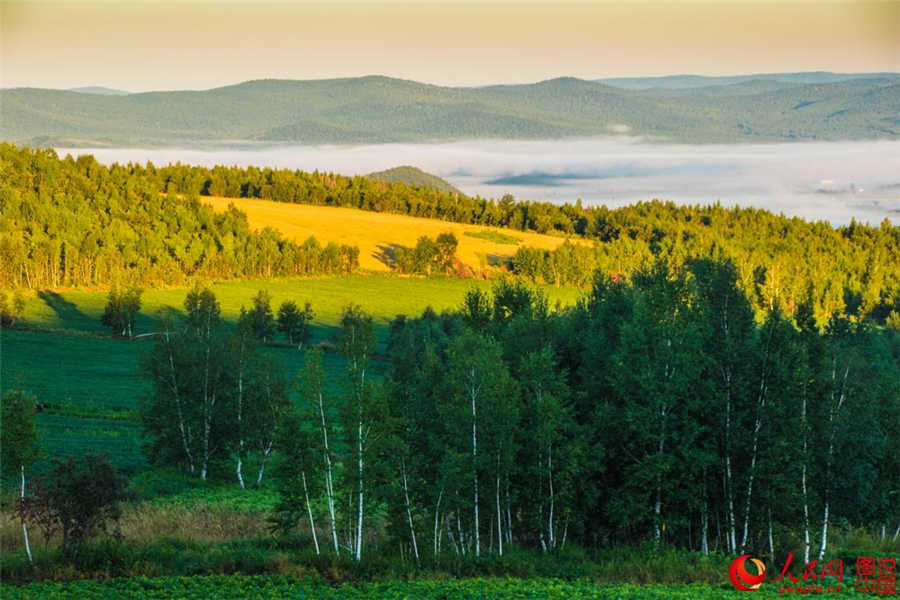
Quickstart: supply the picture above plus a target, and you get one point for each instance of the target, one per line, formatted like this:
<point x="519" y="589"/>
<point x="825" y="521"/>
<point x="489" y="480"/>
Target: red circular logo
<point x="741" y="578"/>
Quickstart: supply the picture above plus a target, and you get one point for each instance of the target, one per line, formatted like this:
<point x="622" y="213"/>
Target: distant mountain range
<point x="100" y="90"/>
<point x="682" y="108"/>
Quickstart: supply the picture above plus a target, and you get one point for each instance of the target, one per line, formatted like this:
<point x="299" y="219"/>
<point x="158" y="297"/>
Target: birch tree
<point x="267" y="406"/>
<point x="548" y="425"/>
<point x="210" y="381"/>
<point x="243" y="349"/>
<point x="728" y="346"/>
<point x="188" y="412"/>
<point x="312" y="387"/>
<point x="479" y="386"/>
<point x="357" y="343"/>
<point x="658" y="373"/>
<point x="18" y="445"/>
<point x="295" y="474"/>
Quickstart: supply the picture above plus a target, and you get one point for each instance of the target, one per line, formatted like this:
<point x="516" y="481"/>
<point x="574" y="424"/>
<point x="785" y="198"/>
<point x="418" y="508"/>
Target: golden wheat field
<point x="378" y="235"/>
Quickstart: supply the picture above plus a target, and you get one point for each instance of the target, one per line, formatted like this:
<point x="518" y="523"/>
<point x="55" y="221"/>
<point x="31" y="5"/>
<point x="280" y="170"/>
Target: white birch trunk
<point x="657" y="505"/>
<point x="437" y="532"/>
<point x="262" y="465"/>
<point x="24" y="524"/>
<point x="834" y="412"/>
<point x="509" y="534"/>
<point x="550" y="480"/>
<point x="240" y="420"/>
<point x="359" y="514"/>
<point x="704" y="527"/>
<point x="312" y="524"/>
<point x="824" y="539"/>
<point x="412" y="529"/>
<point x="473" y="392"/>
<point x="329" y="487"/>
<point x="750" y="477"/>
<point x="499" y="519"/>
<point x="806" y="540"/>
<point x="760" y="406"/>
<point x="729" y="484"/>
<point x="185" y="434"/>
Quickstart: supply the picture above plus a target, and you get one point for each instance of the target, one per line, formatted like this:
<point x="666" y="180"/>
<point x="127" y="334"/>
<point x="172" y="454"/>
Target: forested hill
<point x="73" y="221"/>
<point x="77" y="222"/>
<point x="414" y="178"/>
<point x="380" y="109"/>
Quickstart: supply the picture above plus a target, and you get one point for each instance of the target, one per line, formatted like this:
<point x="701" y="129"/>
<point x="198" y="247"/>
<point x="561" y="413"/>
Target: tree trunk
<point x="499" y="518"/>
<point x="760" y="406"/>
<point x="412" y="529"/>
<point x="329" y="481"/>
<point x="834" y="412"/>
<point x="541" y="535"/>
<point x="657" y="505"/>
<point x="240" y="419"/>
<point x="359" y="513"/>
<point x="824" y="539"/>
<point x="185" y="434"/>
<point x="704" y="527"/>
<point x="312" y="524"/>
<point x="509" y="534"/>
<point x="729" y="484"/>
<point x="473" y="395"/>
<point x="806" y="541"/>
<point x="262" y="465"/>
<point x="24" y="525"/>
<point x="771" y="539"/>
<point x="551" y="536"/>
<point x="437" y="532"/>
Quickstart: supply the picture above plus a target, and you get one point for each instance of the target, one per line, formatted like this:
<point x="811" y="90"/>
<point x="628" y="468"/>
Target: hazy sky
<point x="198" y="44"/>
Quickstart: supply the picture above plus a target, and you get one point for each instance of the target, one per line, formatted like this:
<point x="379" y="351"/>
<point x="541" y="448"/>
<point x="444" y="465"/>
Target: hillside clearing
<point x="380" y="235"/>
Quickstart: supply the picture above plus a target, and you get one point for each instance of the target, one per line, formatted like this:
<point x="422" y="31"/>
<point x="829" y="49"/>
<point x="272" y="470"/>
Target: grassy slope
<point x="91" y="382"/>
<point x="378" y="234"/>
<point x="380" y="109"/>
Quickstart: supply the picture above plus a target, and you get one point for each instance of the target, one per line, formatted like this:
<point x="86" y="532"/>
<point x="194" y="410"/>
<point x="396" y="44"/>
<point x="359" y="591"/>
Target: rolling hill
<point x="415" y="178"/>
<point x="379" y="235"/>
<point x="380" y="109"/>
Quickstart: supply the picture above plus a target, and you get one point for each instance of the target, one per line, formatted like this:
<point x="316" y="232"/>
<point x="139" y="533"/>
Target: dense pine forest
<point x="73" y="221"/>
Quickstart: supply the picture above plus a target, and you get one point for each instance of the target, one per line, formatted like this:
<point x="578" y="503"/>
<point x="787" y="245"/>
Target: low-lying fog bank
<point x="834" y="181"/>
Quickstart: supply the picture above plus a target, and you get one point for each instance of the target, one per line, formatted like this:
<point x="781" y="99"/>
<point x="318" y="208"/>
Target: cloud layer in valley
<point x="824" y="180"/>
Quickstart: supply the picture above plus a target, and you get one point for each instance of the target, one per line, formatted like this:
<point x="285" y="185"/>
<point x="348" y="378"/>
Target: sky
<point x="199" y="44"/>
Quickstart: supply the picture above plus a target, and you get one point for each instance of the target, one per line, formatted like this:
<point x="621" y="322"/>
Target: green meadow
<point x="89" y="383"/>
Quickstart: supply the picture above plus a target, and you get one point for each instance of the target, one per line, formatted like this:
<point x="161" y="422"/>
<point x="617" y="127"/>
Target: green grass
<point x="62" y="435"/>
<point x="89" y="373"/>
<point x="383" y="296"/>
<point x="493" y="236"/>
<point x="261" y="587"/>
<point x="90" y="383"/>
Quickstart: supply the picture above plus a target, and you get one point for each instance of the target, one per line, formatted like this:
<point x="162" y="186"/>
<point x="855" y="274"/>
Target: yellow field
<point x="378" y="234"/>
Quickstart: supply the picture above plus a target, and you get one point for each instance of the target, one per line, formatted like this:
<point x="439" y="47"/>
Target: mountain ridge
<point x="379" y="109"/>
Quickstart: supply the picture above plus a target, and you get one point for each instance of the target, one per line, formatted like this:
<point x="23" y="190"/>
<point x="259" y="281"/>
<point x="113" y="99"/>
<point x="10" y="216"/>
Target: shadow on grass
<point x="66" y="311"/>
<point x="387" y="254"/>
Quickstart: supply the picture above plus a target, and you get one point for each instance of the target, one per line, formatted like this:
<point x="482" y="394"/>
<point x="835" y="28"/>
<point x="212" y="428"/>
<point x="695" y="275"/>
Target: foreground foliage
<point x="276" y="587"/>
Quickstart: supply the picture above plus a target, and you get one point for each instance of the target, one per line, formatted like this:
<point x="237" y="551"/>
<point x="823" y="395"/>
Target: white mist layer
<point x="832" y="181"/>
